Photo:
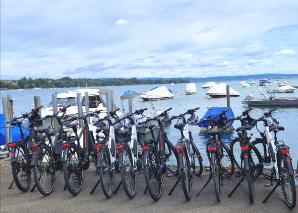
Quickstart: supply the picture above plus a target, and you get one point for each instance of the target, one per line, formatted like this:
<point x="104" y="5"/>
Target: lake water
<point x="288" y="117"/>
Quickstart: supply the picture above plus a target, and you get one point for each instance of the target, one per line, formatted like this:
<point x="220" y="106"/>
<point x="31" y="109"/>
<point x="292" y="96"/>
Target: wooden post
<point x="6" y="120"/>
<point x="109" y="101"/>
<point x="55" y="110"/>
<point x="130" y="104"/>
<point x="37" y="103"/>
<point x="87" y="106"/>
<point x="228" y="96"/>
<point x="80" y="109"/>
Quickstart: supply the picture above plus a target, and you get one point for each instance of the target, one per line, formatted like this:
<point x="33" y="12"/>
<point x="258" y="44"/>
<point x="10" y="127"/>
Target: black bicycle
<point x="189" y="157"/>
<point x="218" y="153"/>
<point x="20" y="151"/>
<point x="156" y="159"/>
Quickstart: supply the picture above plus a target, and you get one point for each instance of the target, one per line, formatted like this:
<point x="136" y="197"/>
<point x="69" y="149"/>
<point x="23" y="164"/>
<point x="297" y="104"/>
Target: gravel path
<point x="61" y="201"/>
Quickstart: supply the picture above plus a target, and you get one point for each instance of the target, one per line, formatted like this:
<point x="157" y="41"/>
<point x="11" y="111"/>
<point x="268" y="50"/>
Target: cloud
<point x="121" y="22"/>
<point x="147" y="38"/>
<point x="286" y="52"/>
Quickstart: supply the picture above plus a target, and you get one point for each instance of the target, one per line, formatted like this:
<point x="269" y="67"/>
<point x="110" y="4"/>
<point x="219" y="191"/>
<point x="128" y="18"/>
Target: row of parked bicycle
<point x="115" y="148"/>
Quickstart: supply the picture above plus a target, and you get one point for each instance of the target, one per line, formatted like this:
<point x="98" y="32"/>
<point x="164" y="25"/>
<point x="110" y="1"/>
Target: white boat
<point x="220" y="91"/>
<point x="252" y="82"/>
<point x="70" y="98"/>
<point x="283" y="89"/>
<point x="285" y="83"/>
<point x="208" y="85"/>
<point x="244" y="84"/>
<point x="157" y="93"/>
<point x="191" y="89"/>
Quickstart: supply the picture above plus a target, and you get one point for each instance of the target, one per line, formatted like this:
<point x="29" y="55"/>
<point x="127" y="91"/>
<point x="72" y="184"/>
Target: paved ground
<point x="61" y="201"/>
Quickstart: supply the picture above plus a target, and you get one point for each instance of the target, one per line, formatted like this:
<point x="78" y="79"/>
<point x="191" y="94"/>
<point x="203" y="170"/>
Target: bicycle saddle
<point x="72" y="124"/>
<point x="179" y="126"/>
<point x="50" y="132"/>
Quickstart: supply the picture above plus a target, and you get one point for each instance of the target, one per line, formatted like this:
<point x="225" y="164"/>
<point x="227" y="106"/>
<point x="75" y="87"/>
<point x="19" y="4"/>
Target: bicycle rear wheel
<point x="197" y="162"/>
<point x="227" y="163"/>
<point x="106" y="173"/>
<point x="216" y="175"/>
<point x="152" y="174"/>
<point x="44" y="171"/>
<point x="288" y="182"/>
<point x="186" y="176"/>
<point x="128" y="175"/>
<point x="249" y="179"/>
<point x="21" y="171"/>
<point x="72" y="169"/>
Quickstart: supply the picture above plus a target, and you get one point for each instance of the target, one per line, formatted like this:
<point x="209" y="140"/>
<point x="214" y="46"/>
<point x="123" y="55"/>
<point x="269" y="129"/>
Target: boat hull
<point x="155" y="99"/>
<point x="221" y="96"/>
<point x="273" y="103"/>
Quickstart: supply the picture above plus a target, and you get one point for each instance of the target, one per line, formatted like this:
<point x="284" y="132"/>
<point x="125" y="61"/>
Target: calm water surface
<point x="288" y="117"/>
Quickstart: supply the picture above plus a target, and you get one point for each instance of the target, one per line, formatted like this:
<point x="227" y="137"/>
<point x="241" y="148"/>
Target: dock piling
<point x="87" y="106"/>
<point x="228" y="96"/>
<point x="80" y="109"/>
<point x="6" y="119"/>
<point x="55" y="110"/>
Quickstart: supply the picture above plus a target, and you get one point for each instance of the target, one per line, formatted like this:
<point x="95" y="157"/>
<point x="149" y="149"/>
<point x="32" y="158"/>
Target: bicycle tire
<point x="106" y="173"/>
<point x="151" y="169"/>
<point x="287" y="178"/>
<point x="248" y="176"/>
<point x="216" y="175"/>
<point x="73" y="165"/>
<point x="128" y="176"/>
<point x="186" y="177"/>
<point x="253" y="149"/>
<point x="48" y="169"/>
<point x="23" y="166"/>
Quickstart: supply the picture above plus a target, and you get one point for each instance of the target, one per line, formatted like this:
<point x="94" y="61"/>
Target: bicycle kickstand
<point x="175" y="185"/>
<point x="271" y="192"/>
<point x="33" y="188"/>
<point x="238" y="184"/>
<point x="95" y="186"/>
<point x="118" y="187"/>
<point x="10" y="186"/>
<point x="210" y="176"/>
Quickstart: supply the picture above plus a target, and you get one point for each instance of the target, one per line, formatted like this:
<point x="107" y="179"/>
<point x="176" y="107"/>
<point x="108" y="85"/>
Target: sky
<point x="153" y="38"/>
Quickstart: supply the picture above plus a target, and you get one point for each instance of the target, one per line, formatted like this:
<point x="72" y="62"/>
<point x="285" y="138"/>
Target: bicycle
<point x="76" y="156"/>
<point x="188" y="154"/>
<point x="218" y="153"/>
<point x="20" y="152"/>
<point x="155" y="157"/>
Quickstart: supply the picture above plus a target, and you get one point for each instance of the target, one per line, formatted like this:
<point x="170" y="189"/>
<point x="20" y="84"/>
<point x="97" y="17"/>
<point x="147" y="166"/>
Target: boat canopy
<point x="209" y="84"/>
<point x="191" y="88"/>
<point x="220" y="90"/>
<point x="214" y="112"/>
<point x="158" y="93"/>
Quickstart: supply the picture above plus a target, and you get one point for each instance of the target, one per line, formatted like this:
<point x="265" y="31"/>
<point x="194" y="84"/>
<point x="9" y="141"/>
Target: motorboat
<point x="69" y="98"/>
<point x="284" y="83"/>
<point x="220" y="91"/>
<point x="252" y="82"/>
<point x="244" y="84"/>
<point x="271" y="101"/>
<point x="208" y="85"/>
<point x="283" y="89"/>
<point x="157" y="93"/>
<point x="191" y="89"/>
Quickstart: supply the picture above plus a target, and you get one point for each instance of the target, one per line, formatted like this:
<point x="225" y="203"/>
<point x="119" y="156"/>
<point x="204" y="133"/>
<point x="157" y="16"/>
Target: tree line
<point x="27" y="83"/>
